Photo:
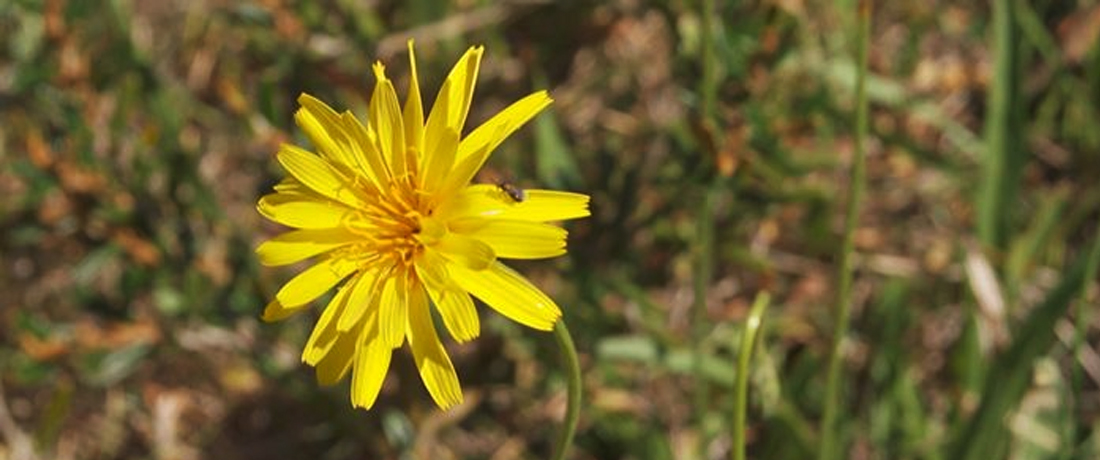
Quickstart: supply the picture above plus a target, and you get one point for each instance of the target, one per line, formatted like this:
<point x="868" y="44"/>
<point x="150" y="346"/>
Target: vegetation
<point x="720" y="143"/>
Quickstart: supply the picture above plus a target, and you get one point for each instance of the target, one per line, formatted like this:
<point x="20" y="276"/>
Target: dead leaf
<point x="77" y="179"/>
<point x="141" y="250"/>
<point x="89" y="334"/>
<point x="42" y="349"/>
<point x="38" y="150"/>
<point x="1079" y="33"/>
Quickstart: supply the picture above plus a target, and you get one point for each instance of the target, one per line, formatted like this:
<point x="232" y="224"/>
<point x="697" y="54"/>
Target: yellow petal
<point x="298" y="245"/>
<point x="438" y="160"/>
<point x="295" y="210"/>
<point x="437" y="118"/>
<point x="364" y="152"/>
<point x="315" y="173"/>
<point x="436" y="370"/>
<point x="514" y="239"/>
<point x="337" y="362"/>
<point x="362" y="299"/>
<point x="414" y="108"/>
<point x="291" y="185"/>
<point x="324" y="334"/>
<point x="314" y="281"/>
<point x="466" y="251"/>
<point x="275" y="311"/>
<point x="475" y="148"/>
<point x="510" y="294"/>
<point x="459" y="314"/>
<point x="371" y="365"/>
<point x="336" y="140"/>
<point x="385" y="116"/>
<point x="452" y="104"/>
<point x="393" y="309"/>
<point x="486" y="200"/>
<point x="322" y="127"/>
<point x="455" y="306"/>
<point x="462" y="172"/>
<point x="510" y="119"/>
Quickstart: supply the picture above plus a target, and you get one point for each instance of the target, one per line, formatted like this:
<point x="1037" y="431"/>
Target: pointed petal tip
<point x="443" y="386"/>
<point x="262" y="207"/>
<point x="276" y="311"/>
<point x="305" y="98"/>
<point x="466" y="337"/>
<point x="259" y="250"/>
<point x="268" y="313"/>
<point x="547" y="322"/>
<point x="547" y="326"/>
<point x="450" y="402"/>
<point x="364" y="402"/>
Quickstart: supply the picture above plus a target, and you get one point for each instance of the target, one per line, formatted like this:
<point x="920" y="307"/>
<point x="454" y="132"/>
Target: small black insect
<point x="515" y="193"/>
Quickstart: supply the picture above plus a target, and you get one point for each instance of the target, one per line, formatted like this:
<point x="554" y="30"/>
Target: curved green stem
<point x="753" y="325"/>
<point x="573" y="409"/>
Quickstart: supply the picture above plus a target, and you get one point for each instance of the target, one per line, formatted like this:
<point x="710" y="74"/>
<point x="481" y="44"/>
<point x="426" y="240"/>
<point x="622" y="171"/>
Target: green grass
<point x="717" y="140"/>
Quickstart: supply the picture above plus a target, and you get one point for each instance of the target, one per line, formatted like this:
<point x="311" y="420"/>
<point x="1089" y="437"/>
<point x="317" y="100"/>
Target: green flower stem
<point x="573" y="409"/>
<point x="829" y="430"/>
<point x="753" y="325"/>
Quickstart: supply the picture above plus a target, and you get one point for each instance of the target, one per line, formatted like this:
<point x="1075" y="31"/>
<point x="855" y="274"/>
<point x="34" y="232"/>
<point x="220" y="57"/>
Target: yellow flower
<point x="387" y="211"/>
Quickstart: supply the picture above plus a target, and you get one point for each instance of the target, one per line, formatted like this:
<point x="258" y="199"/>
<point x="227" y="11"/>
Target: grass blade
<point x="753" y="324"/>
<point x="984" y="435"/>
<point x="1003" y="159"/>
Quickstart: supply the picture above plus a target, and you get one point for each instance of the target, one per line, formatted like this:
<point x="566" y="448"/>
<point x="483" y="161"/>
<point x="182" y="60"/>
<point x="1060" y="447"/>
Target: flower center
<point x="398" y="225"/>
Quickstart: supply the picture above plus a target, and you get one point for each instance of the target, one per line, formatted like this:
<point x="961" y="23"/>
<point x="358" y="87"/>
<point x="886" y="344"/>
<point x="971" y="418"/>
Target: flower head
<point x="386" y="210"/>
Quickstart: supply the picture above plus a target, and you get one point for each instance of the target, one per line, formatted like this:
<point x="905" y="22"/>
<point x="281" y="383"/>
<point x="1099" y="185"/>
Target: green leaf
<point x="635" y="348"/>
<point x="108" y="368"/>
<point x="554" y="161"/>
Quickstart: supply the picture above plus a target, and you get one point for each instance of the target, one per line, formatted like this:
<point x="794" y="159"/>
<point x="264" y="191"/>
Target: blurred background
<point x="136" y="137"/>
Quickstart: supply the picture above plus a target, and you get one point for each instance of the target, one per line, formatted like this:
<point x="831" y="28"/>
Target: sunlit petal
<point x="302" y="211"/>
<point x="313" y="282"/>
<point x="324" y="334"/>
<point x="510" y="294"/>
<point x="315" y="173"/>
<point x="485" y="200"/>
<point x="466" y="251"/>
<point x="514" y="239"/>
<point x="334" y="366"/>
<point x="362" y="299"/>
<point x="365" y="153"/>
<point x="414" y="108"/>
<point x="321" y="125"/>
<point x="372" y="362"/>
<point x="393" y="310"/>
<point x="436" y="370"/>
<point x="452" y="104"/>
<point x="454" y="304"/>
<point x="475" y="148"/>
<point x="386" y="118"/>
<point x="299" y="245"/>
